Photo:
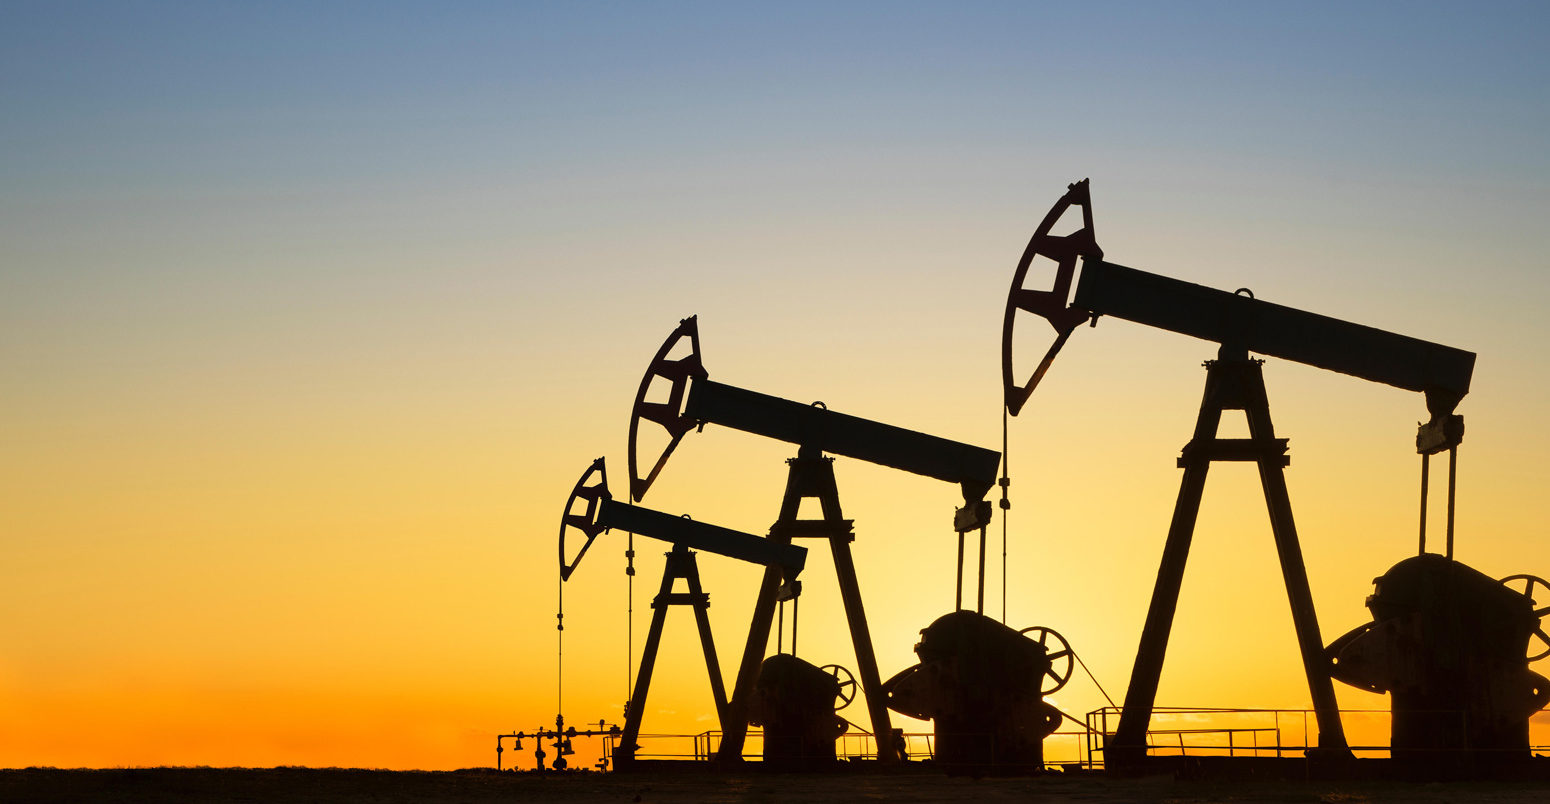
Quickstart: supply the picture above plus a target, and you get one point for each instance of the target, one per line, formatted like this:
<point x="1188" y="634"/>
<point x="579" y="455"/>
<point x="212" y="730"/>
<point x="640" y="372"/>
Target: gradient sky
<point x="310" y="316"/>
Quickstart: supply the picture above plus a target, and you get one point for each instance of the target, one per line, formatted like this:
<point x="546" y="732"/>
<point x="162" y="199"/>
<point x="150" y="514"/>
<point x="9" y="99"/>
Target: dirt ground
<point x="287" y="785"/>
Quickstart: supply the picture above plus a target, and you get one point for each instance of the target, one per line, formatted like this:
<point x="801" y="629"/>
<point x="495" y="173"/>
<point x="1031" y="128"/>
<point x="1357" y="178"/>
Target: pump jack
<point x="694" y="400"/>
<point x="601" y="513"/>
<point x="1240" y="324"/>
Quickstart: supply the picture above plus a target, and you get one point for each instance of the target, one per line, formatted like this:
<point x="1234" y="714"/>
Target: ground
<point x="287" y="785"/>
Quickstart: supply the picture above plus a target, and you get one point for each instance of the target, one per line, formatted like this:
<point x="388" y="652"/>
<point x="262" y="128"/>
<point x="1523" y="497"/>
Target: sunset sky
<point x="312" y="314"/>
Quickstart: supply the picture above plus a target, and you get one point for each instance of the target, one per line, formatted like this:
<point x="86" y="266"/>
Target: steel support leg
<point x="680" y="564"/>
<point x="1129" y="743"/>
<point x="840" y="538"/>
<point x="718" y="688"/>
<point x="734" y="727"/>
<point x="866" y="661"/>
<point x="1233" y="383"/>
<point x="1272" y="476"/>
<point x="625" y="753"/>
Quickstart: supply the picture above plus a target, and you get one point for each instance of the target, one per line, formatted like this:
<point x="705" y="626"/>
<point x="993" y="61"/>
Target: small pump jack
<point x="693" y="400"/>
<point x="1240" y="324"/>
<point x="592" y="511"/>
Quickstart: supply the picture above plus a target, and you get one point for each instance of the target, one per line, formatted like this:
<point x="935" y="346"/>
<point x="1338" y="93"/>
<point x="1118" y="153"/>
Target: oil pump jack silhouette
<point x="591" y="510"/>
<point x="693" y="400"/>
<point x="1240" y="324"/>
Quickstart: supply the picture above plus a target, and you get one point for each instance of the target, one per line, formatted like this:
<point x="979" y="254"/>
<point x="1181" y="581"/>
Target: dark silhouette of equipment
<point x="796" y="703"/>
<point x="1452" y="646"/>
<point x="1240" y="324"/>
<point x="560" y="739"/>
<point x="591" y="510"/>
<point x="982" y="684"/>
<point x="693" y="400"/>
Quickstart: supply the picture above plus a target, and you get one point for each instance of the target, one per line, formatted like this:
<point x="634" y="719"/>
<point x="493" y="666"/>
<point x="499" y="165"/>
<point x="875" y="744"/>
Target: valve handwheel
<point x="1531" y="584"/>
<point x="846" y="681"/>
<point x="1059" y="655"/>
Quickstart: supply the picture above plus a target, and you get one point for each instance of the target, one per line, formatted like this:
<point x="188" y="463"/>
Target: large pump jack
<point x="693" y="400"/>
<point x="591" y="510"/>
<point x="1240" y="324"/>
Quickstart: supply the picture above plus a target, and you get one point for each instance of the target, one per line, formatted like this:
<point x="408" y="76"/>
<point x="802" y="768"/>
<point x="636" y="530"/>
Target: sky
<point x="312" y="314"/>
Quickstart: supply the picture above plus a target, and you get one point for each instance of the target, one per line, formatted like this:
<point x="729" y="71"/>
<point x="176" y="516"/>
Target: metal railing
<point x="1202" y="731"/>
<point x="1173" y="731"/>
<point x="1236" y="732"/>
<point x="1066" y="749"/>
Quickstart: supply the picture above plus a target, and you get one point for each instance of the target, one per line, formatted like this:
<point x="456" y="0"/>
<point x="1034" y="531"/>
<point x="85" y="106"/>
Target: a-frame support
<point x="1233" y="382"/>
<point x="811" y="476"/>
<point x="680" y="564"/>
